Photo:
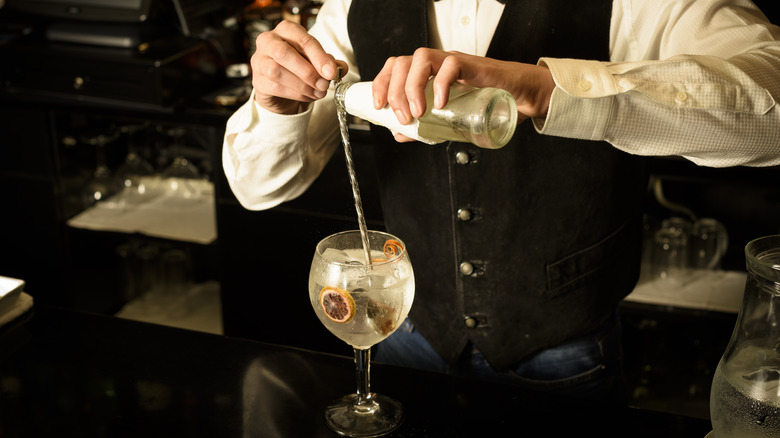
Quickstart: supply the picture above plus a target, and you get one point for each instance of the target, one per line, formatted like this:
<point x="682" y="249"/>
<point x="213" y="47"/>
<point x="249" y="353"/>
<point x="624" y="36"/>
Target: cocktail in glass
<point x="362" y="293"/>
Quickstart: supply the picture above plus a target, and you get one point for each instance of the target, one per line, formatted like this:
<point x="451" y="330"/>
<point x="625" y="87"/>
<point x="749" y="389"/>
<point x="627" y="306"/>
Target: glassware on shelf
<point x="136" y="172"/>
<point x="103" y="185"/>
<point x="175" y="282"/>
<point x="709" y="243"/>
<point x="745" y="396"/>
<point x="182" y="180"/>
<point x="362" y="295"/>
<point x="148" y="278"/>
<point x="670" y="258"/>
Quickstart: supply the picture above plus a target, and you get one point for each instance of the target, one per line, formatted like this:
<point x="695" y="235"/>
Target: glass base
<point x="379" y="416"/>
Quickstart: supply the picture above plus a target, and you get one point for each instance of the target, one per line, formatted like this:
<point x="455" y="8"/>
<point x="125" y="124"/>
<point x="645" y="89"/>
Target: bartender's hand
<point x="290" y="67"/>
<point x="401" y="82"/>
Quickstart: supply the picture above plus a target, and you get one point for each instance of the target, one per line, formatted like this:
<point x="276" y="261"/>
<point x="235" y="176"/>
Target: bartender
<point x="521" y="254"/>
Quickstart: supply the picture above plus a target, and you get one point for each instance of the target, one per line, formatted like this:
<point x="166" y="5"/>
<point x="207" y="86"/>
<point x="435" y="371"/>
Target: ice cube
<point x="356" y="256"/>
<point x="357" y="280"/>
<point x="363" y="281"/>
<point x="335" y="255"/>
<point x="379" y="281"/>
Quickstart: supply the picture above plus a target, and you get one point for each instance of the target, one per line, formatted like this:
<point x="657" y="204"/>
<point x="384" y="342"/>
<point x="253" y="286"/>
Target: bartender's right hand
<point x="290" y="67"/>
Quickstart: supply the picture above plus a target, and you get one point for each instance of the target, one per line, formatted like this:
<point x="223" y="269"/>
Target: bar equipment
<point x="745" y="396"/>
<point x="362" y="302"/>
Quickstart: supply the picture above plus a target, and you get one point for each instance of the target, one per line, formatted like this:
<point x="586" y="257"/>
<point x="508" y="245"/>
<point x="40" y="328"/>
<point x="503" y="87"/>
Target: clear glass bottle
<point x="486" y="117"/>
<point x="745" y="396"/>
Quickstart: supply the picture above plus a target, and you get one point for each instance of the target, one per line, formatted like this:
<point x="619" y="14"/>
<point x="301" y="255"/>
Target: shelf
<point x="165" y="214"/>
<point x="718" y="291"/>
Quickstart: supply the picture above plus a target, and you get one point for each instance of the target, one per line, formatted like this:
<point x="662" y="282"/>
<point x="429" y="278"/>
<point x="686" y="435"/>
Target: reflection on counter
<point x="196" y="308"/>
<point x="271" y="385"/>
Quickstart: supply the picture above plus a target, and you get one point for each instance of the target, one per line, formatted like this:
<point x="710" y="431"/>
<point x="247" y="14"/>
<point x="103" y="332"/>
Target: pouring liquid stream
<point x="342" y="115"/>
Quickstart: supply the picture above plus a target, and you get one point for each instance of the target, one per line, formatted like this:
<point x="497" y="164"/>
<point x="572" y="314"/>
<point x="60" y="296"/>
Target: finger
<point x="425" y="63"/>
<point x="381" y="84"/>
<point x="273" y="79"/>
<point x="307" y="58"/>
<point x="284" y="85"/>
<point x="451" y="70"/>
<point x="400" y="138"/>
<point x="396" y="93"/>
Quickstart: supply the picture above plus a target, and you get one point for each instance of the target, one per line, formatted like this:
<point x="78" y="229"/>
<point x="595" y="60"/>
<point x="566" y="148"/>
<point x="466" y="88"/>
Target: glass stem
<point x="363" y="365"/>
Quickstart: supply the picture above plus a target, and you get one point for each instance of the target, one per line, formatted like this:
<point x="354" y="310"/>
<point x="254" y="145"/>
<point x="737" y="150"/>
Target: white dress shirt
<point x="692" y="78"/>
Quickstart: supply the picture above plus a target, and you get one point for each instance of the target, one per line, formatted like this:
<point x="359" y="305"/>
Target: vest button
<point x="470" y="322"/>
<point x="462" y="158"/>
<point x="466" y="268"/>
<point x="464" y="214"/>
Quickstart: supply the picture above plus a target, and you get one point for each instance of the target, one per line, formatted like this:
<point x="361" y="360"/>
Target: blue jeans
<point x="588" y="366"/>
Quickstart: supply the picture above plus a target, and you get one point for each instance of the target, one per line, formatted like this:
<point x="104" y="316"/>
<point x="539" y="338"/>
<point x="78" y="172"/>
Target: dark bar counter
<point x="71" y="374"/>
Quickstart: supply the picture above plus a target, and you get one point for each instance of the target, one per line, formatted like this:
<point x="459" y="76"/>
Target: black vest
<point x="554" y="235"/>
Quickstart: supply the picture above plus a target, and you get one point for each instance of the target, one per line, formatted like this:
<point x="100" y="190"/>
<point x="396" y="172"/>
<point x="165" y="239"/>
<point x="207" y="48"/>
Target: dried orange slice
<point x="337" y="304"/>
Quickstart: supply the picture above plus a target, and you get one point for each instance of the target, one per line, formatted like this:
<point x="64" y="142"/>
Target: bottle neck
<point x="762" y="258"/>
<point x="340" y="93"/>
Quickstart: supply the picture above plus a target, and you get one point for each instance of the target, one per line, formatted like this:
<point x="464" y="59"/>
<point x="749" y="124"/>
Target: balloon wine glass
<point x="362" y="294"/>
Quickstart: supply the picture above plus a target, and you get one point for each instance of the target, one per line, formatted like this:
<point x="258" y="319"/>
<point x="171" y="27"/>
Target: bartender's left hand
<point x="401" y="82"/>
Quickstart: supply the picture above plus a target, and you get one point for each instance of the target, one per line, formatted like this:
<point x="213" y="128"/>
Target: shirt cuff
<point x="270" y="122"/>
<point x="582" y="101"/>
<point x="256" y="126"/>
<point x="251" y="114"/>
